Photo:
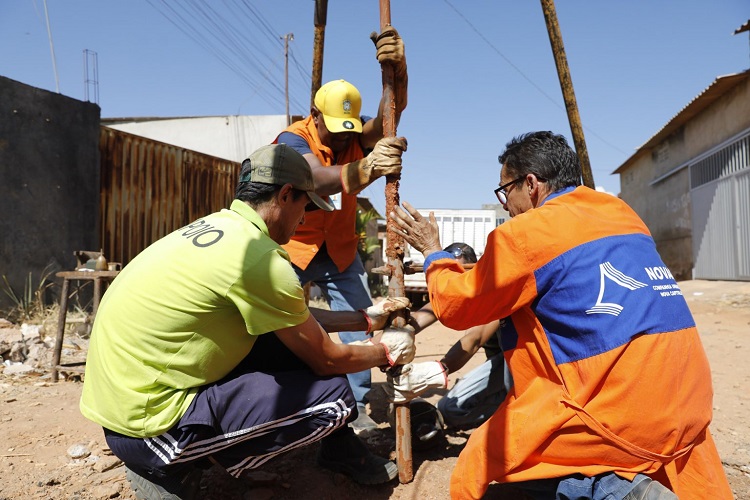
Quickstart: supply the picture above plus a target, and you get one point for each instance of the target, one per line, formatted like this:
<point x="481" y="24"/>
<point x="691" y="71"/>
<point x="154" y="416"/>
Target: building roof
<point x="718" y="88"/>
<point x="141" y="119"/>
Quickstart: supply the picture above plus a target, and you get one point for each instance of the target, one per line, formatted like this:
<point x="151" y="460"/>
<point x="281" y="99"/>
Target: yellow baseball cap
<point x="340" y="103"/>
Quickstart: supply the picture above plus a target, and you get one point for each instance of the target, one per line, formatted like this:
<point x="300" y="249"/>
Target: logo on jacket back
<point x="202" y="233"/>
<point x="608" y="272"/>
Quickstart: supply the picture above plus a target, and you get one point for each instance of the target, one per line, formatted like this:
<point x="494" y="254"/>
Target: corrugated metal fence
<point x="149" y="189"/>
<point x="720" y="212"/>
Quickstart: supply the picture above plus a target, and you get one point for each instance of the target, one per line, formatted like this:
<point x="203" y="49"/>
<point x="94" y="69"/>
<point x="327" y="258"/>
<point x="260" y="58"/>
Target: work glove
<point x="377" y="315"/>
<point x="385" y="159"/>
<point x="411" y="380"/>
<point x="398" y="344"/>
<point x="390" y="50"/>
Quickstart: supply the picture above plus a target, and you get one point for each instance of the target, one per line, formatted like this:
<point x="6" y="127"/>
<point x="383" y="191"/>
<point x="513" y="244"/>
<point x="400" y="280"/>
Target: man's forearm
<point x="327" y="180"/>
<point x="347" y="358"/>
<point x="309" y="342"/>
<point x="422" y="318"/>
<point x="340" y="321"/>
<point x="462" y="351"/>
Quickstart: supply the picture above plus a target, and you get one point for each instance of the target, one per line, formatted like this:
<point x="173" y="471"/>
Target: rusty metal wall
<point x="149" y="189"/>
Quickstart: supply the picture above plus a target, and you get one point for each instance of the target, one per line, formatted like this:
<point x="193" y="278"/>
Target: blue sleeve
<point x="364" y="119"/>
<point x="294" y="141"/>
<point x="442" y="254"/>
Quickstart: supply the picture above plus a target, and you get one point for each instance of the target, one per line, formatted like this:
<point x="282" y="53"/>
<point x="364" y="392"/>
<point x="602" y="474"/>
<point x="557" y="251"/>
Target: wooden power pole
<point x="321" y="14"/>
<point x="566" y="83"/>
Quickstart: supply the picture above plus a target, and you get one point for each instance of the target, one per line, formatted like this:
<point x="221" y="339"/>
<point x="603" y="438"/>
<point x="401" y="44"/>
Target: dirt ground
<point x="42" y="430"/>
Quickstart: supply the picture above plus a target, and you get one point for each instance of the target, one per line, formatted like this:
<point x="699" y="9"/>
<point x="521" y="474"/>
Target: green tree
<point x="366" y="246"/>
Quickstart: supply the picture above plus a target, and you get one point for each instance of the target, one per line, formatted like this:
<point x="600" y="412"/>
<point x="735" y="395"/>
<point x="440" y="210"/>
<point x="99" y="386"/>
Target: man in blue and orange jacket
<point x="612" y="388"/>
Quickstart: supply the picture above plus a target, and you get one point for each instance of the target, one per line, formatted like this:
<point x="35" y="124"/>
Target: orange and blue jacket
<point x="609" y="371"/>
<point x="336" y="229"/>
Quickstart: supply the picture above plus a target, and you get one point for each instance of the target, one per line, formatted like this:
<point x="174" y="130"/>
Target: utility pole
<point x="566" y="84"/>
<point x="287" y="37"/>
<point x="321" y="14"/>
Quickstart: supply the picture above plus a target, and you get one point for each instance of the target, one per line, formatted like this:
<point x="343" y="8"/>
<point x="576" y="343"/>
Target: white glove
<point x="377" y="315"/>
<point x="399" y="344"/>
<point x="414" y="379"/>
<point x="366" y="343"/>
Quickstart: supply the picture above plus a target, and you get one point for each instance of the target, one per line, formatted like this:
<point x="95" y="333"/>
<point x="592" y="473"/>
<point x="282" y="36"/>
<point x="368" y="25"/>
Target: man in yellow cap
<point x="346" y="152"/>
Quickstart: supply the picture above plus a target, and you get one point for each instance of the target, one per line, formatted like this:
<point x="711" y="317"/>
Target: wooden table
<point x="99" y="278"/>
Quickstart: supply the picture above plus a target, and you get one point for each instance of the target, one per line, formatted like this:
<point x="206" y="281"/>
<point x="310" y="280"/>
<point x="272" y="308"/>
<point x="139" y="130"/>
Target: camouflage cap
<point x="280" y="164"/>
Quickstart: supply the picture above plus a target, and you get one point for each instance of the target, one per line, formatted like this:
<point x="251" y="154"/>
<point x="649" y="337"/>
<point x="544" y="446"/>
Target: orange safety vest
<point x="608" y="368"/>
<point x="335" y="229"/>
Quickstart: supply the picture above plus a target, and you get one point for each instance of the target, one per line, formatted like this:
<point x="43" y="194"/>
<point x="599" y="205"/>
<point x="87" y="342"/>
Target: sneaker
<point x="343" y="452"/>
<point x="648" y="489"/>
<point x="179" y="488"/>
<point x="363" y="423"/>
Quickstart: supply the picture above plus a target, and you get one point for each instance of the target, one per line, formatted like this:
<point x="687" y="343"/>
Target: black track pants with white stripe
<point x="269" y="404"/>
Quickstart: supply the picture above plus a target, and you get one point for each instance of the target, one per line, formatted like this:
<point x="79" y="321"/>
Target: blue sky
<point x="480" y="72"/>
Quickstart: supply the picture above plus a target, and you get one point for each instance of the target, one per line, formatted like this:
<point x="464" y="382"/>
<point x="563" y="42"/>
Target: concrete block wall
<point x="49" y="181"/>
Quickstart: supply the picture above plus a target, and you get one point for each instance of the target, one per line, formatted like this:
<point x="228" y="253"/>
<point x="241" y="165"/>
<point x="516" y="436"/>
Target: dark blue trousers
<point x="269" y="404"/>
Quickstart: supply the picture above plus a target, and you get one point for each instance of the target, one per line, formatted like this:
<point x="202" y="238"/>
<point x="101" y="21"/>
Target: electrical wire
<point x="241" y="38"/>
<point x="531" y="82"/>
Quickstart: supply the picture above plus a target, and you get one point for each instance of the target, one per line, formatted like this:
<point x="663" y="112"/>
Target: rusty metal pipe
<point x="566" y="84"/>
<point x="395" y="256"/>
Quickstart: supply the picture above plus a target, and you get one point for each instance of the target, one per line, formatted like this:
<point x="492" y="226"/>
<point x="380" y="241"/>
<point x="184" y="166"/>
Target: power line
<point x="226" y="36"/>
<point x="531" y="82"/>
<point x="183" y="24"/>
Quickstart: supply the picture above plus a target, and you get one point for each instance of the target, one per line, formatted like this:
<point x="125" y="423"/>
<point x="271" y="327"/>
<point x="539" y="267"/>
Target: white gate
<point x="721" y="228"/>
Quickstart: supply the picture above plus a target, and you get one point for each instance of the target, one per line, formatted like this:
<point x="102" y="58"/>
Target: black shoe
<point x="427" y="425"/>
<point x="648" y="489"/>
<point x="343" y="452"/>
<point x="183" y="487"/>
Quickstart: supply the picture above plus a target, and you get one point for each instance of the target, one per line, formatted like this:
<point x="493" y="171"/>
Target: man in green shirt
<point x="203" y="348"/>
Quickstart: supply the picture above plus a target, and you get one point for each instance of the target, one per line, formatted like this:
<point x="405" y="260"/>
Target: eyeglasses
<point x="502" y="191"/>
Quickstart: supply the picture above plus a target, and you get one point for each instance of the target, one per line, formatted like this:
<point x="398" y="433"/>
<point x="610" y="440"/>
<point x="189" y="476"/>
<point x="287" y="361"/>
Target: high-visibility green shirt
<point x="183" y="314"/>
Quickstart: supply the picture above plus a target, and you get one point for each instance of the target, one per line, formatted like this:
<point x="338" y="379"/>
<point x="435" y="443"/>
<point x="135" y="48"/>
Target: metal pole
<point x="287" y="37"/>
<point x="395" y="255"/>
<point x="566" y="84"/>
<point x="321" y="13"/>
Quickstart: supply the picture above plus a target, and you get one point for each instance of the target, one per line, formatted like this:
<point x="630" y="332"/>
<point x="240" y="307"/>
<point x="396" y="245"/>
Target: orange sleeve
<point x="465" y="299"/>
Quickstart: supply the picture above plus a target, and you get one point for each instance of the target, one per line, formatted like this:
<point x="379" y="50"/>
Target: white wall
<point x="229" y="137"/>
<point x="465" y="226"/>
